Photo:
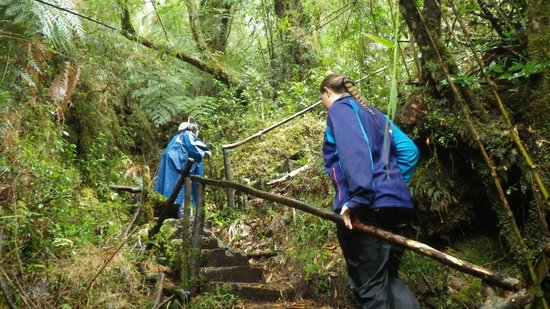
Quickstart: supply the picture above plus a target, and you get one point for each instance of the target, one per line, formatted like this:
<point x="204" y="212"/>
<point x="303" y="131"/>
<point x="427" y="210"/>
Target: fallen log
<point x="494" y="277"/>
<point x="3" y="285"/>
<point x="288" y="176"/>
<point x="7" y="293"/>
<point x="166" y="288"/>
<point x="159" y="288"/>
<point x="125" y="188"/>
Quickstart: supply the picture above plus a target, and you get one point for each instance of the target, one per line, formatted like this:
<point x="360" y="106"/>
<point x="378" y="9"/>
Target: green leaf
<point x="377" y="39"/>
<point x="496" y="68"/>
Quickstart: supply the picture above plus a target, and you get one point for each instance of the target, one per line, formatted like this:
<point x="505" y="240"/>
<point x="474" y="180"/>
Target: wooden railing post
<point x="195" y="239"/>
<point x="228" y="177"/>
<point x="170" y="202"/>
<point x="186" y="237"/>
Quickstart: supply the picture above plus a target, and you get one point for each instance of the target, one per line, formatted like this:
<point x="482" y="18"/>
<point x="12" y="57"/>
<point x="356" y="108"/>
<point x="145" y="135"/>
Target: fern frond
<point x="25" y="76"/>
<point x="56" y="25"/>
<point x="58" y="88"/>
<point x="34" y="65"/>
<point x="163" y="96"/>
<point x="198" y="107"/>
<point x="14" y="8"/>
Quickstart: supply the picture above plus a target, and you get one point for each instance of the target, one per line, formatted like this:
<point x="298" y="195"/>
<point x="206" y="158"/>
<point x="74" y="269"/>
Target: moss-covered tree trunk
<point x="293" y="26"/>
<point x="538" y="111"/>
<point x="538" y="32"/>
<point x="425" y="29"/>
<point x="525" y="233"/>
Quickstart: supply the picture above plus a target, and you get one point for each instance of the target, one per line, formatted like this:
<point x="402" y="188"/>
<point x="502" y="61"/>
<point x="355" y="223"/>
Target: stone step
<point x="232" y="274"/>
<point x="255" y="292"/>
<point x="211" y="242"/>
<point x="221" y="257"/>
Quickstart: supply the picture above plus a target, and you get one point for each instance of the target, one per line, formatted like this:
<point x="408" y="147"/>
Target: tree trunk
<point x="294" y="24"/>
<point x="200" y="40"/>
<point x="538" y="33"/>
<point x="432" y="16"/>
<point x="538" y="110"/>
<point x="432" y="48"/>
<point x="211" y="24"/>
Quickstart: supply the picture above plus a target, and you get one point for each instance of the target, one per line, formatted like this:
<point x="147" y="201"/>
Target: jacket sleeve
<point x="195" y="147"/>
<point x="407" y="152"/>
<point x="354" y="155"/>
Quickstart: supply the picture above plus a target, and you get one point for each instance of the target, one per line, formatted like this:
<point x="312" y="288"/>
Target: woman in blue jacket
<point x="369" y="161"/>
<point x="185" y="144"/>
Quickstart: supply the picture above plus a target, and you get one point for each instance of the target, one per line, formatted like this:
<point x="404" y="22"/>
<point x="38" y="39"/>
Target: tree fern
<point x="162" y="98"/>
<point x="55" y="25"/>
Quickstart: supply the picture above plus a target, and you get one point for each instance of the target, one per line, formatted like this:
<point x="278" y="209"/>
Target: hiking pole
<point x="170" y="202"/>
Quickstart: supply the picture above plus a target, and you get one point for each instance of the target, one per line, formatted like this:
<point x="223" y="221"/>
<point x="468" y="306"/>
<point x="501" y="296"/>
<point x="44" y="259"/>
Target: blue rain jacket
<point x="183" y="145"/>
<point x="353" y="150"/>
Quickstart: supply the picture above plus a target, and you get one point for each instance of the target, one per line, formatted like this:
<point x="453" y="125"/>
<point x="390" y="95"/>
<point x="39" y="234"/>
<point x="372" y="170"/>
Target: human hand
<point x="208" y="154"/>
<point x="346" y="216"/>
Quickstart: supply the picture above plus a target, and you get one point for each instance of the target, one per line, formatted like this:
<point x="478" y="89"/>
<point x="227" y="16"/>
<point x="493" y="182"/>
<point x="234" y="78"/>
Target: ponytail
<point x="350" y="88"/>
<point x="340" y="84"/>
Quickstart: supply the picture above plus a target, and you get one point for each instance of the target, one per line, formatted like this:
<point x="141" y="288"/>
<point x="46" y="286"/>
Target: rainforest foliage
<point x="91" y="91"/>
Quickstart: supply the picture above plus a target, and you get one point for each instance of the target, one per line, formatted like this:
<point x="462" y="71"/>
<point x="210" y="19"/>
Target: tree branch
<point x="209" y="66"/>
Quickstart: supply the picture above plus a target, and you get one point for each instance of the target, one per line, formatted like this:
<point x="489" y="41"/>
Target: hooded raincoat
<point x="183" y="145"/>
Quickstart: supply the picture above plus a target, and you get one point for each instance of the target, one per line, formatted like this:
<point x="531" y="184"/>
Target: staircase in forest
<point x="222" y="267"/>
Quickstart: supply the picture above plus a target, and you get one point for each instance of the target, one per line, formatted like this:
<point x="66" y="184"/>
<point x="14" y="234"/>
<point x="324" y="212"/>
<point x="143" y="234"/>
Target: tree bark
<point x="169" y="203"/>
<point x="432" y="16"/>
<point x="211" y="23"/>
<point x="294" y="24"/>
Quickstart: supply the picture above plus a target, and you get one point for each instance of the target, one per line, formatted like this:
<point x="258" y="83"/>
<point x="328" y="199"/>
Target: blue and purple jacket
<point x="363" y="173"/>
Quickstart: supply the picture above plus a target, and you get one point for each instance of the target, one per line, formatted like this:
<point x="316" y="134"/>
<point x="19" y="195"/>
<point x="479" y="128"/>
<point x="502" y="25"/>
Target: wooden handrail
<point x="497" y="278"/>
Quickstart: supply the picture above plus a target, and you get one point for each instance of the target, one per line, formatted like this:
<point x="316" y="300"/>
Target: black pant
<point x="373" y="263"/>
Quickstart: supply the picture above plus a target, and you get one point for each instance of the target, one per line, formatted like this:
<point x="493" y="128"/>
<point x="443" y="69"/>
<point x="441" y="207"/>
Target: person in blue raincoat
<point x="185" y="144"/>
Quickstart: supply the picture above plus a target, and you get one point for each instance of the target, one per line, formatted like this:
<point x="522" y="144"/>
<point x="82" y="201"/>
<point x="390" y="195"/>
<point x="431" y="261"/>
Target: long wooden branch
<point x="497" y="278"/>
<point x="273" y="126"/>
<point x="288" y="176"/>
<point x="99" y="271"/>
<point x="209" y="66"/>
<point x="125" y="188"/>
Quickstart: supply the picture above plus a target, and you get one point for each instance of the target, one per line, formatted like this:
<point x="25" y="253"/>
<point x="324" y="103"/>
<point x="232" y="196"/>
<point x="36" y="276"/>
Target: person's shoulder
<point x="344" y="103"/>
